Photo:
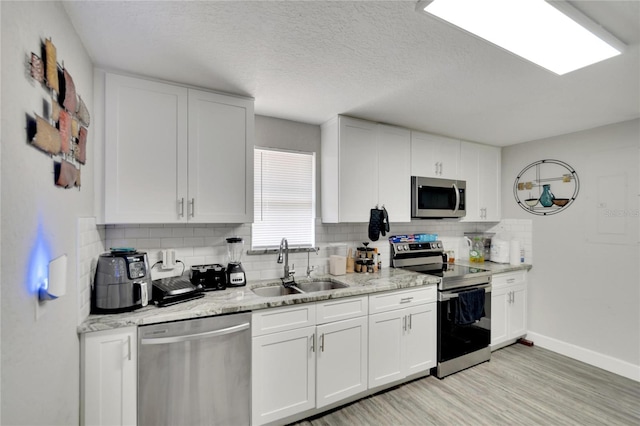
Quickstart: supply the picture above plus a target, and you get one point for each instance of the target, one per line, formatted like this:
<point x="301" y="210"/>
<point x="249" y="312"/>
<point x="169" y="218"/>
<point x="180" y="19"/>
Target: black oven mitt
<point x="385" y="220"/>
<point x="376" y="224"/>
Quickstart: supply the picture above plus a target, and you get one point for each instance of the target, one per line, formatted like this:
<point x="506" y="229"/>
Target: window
<point x="284" y="198"/>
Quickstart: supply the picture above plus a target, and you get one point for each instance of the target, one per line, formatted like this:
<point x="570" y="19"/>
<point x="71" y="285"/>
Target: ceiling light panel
<point x="535" y="30"/>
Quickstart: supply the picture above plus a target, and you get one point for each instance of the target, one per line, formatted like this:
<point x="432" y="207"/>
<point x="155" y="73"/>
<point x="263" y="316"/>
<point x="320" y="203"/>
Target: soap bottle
<point x="476" y="254"/>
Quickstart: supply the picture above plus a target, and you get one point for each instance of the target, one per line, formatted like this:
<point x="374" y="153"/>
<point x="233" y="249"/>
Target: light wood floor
<point x="520" y="386"/>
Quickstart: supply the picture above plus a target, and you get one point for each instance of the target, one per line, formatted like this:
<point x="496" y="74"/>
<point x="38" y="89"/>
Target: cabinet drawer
<point x="401" y="299"/>
<point x="509" y="278"/>
<point x="341" y="309"/>
<point x="281" y="319"/>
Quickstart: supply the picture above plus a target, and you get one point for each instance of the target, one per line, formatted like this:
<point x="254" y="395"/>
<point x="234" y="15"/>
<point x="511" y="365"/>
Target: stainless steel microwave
<point x="437" y="198"/>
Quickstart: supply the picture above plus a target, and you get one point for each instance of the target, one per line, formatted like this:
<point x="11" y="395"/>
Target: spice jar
<point x="369" y="265"/>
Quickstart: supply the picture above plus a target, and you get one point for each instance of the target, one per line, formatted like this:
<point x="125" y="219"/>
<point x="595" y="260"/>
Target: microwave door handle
<point x="455" y="188"/>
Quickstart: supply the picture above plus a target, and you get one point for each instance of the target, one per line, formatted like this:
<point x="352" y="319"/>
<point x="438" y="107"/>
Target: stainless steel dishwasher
<point x="195" y="372"/>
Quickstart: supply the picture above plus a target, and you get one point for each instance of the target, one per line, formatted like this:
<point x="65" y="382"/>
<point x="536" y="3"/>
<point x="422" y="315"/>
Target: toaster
<point x="122" y="282"/>
<point x="209" y="277"/>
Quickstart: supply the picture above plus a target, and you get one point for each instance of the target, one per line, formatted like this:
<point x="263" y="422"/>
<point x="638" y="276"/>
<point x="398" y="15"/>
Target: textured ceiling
<point x="380" y="60"/>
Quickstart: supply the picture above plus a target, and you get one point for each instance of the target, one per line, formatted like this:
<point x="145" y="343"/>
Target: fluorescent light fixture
<point x="553" y="34"/>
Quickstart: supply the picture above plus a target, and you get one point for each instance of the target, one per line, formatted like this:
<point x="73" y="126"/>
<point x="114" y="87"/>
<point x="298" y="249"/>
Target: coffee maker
<point x="235" y="273"/>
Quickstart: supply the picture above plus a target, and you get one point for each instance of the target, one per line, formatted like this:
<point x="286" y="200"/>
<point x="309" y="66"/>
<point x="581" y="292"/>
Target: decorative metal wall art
<point x="546" y="187"/>
<point x="61" y="129"/>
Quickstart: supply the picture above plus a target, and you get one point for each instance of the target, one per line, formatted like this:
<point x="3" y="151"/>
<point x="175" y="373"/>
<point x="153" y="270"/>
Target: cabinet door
<point x="282" y="374"/>
<point x="220" y="158"/>
<point x="394" y="178"/>
<point x="145" y="151"/>
<point x="470" y="172"/>
<point x="358" y="161"/>
<point x="499" y="315"/>
<point x="480" y="168"/>
<point x="109" y="377"/>
<point x="420" y="338"/>
<point x="341" y="361"/>
<point x="518" y="311"/>
<point x="434" y="156"/>
<point x="385" y="348"/>
<point x="489" y="163"/>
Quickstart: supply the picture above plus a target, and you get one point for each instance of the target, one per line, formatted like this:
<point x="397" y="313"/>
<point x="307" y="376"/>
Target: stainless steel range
<point x="464" y="303"/>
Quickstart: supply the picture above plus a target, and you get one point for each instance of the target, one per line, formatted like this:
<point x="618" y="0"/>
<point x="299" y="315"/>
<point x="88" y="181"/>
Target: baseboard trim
<point x="606" y="362"/>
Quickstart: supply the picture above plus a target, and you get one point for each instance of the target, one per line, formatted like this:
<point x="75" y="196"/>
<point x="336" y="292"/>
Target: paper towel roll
<point x="514" y="252"/>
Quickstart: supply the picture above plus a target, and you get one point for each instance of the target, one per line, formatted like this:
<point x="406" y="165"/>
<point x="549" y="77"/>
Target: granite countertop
<point x="496" y="268"/>
<point x="240" y="299"/>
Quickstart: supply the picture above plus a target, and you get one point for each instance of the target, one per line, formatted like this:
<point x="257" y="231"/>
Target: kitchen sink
<point x="298" y="288"/>
<point x="319" y="286"/>
<point x="275" y="291"/>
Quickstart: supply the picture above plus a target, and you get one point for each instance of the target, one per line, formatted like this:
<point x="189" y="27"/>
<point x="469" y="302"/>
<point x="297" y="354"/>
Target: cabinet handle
<point x="436" y="172"/>
<point x="322" y="343"/>
<point x="410" y="315"/>
<point x="193" y="207"/>
<point x="404" y="323"/>
<point x="406" y="299"/>
<point x="313" y="342"/>
<point x="511" y="280"/>
<point x="181" y="207"/>
<point x="440" y="168"/>
<point x="129" y="348"/>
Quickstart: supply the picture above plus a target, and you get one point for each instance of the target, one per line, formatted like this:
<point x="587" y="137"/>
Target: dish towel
<point x="468" y="306"/>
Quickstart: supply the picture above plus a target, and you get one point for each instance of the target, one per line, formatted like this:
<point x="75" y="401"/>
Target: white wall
<point x="40" y="358"/>
<point x="585" y="293"/>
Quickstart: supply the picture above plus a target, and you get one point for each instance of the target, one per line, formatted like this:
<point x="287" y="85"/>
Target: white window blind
<point x="284" y="198"/>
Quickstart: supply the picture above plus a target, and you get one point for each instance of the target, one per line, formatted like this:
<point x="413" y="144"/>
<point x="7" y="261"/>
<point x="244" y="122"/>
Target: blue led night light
<point x="38" y="266"/>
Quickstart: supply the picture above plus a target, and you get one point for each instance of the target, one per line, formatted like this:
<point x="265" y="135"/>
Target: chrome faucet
<point x="288" y="273"/>
<point x="309" y="267"/>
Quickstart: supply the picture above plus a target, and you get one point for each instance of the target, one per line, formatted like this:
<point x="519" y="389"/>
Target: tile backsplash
<point x="205" y="243"/>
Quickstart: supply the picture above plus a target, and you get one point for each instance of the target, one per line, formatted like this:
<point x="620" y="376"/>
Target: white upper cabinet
<point x="175" y="155"/>
<point x="145" y="151"/>
<point x="480" y="168"/>
<point x="359" y="170"/>
<point x="220" y="158"/>
<point x="434" y="156"/>
<point x="394" y="179"/>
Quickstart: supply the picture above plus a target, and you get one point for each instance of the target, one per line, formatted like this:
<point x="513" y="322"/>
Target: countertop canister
<point x="514" y="252"/>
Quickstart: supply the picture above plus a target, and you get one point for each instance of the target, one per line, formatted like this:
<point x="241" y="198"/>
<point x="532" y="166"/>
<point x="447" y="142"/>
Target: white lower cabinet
<point x="508" y="308"/>
<point x="109" y="377"/>
<point x="341" y="360"/>
<point x="282" y="374"/>
<point x="298" y="365"/>
<point x="283" y="362"/>
<point x="402" y="340"/>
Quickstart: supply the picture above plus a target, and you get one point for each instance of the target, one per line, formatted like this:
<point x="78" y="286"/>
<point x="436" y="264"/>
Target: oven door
<point x="437" y="198"/>
<point x="458" y="340"/>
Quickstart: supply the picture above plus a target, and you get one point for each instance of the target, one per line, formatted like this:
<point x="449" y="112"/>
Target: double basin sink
<point x="297" y="288"/>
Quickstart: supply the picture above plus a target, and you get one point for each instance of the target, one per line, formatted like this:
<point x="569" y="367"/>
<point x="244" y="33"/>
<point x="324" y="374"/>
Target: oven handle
<point x="448" y="295"/>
